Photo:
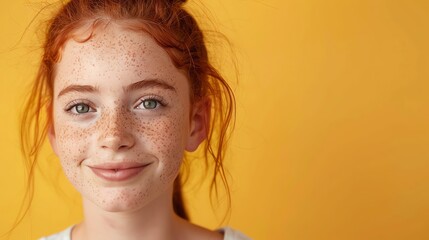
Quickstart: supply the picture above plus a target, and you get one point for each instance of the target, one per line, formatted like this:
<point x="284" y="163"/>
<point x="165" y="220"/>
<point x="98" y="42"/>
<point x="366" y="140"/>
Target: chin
<point x="116" y="206"/>
<point x="119" y="200"/>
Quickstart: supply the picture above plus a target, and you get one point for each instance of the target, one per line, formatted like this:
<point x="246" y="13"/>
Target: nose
<point x="115" y="132"/>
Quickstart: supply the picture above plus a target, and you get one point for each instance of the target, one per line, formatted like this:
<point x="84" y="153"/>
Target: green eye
<point x="81" y="108"/>
<point x="149" y="104"/>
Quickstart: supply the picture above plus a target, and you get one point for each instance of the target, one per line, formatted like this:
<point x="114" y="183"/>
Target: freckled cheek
<point x="167" y="136"/>
<point x="168" y="144"/>
<point x="72" y="145"/>
<point x="72" y="142"/>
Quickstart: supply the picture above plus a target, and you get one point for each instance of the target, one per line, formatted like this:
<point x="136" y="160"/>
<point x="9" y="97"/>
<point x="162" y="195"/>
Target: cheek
<point x="167" y="137"/>
<point x="72" y="145"/>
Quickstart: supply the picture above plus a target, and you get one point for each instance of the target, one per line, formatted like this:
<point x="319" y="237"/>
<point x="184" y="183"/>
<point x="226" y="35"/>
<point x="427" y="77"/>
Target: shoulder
<point x="232" y="234"/>
<point x="63" y="235"/>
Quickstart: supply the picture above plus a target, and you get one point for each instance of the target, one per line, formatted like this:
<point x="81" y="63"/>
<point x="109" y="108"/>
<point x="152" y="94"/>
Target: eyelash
<point x="69" y="108"/>
<point x="159" y="100"/>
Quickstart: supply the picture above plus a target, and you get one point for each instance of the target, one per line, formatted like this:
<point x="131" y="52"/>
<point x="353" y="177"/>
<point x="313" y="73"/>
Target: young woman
<point x="129" y="89"/>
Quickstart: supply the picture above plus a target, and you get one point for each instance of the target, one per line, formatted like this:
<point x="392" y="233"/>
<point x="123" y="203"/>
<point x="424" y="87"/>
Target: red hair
<point x="174" y="29"/>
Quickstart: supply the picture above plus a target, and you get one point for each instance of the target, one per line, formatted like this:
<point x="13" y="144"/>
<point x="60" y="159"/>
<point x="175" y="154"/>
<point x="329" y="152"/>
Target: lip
<point x="116" y="172"/>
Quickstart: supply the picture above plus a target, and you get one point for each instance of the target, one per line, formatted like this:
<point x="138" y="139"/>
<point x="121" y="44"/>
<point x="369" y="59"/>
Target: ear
<point x="199" y="124"/>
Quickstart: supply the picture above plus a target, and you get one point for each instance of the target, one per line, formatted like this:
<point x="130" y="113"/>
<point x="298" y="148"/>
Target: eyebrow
<point x="77" y="88"/>
<point x="147" y="83"/>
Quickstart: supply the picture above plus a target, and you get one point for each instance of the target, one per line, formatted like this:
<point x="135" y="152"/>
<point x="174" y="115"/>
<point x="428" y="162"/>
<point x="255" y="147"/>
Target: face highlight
<point x="118" y="98"/>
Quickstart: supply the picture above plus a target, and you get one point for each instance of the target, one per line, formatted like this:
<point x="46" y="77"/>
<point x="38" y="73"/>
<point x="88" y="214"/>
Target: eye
<point x="149" y="104"/>
<point x="80" y="108"/>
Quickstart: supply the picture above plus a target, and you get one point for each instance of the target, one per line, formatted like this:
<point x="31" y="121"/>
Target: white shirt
<point x="228" y="233"/>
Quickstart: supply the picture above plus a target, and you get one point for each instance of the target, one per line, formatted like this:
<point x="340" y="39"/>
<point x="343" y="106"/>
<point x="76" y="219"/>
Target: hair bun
<point x="177" y="1"/>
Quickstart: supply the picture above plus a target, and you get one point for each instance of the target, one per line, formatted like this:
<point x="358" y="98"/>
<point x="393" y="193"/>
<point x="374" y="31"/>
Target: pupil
<point x="82" y="108"/>
<point x="149" y="104"/>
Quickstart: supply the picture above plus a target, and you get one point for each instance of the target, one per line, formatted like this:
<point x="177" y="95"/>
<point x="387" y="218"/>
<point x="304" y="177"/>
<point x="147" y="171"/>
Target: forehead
<point x="116" y="55"/>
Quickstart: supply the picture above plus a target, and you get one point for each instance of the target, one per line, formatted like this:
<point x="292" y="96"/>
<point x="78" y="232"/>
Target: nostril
<point x="120" y="140"/>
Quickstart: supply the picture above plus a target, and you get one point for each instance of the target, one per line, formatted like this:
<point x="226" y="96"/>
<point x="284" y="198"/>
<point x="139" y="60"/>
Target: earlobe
<point x="199" y="124"/>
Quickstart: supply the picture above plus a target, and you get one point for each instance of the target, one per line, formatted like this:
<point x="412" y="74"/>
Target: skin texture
<point x="119" y="98"/>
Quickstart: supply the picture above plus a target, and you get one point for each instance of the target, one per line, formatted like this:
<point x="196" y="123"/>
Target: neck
<point x="152" y="222"/>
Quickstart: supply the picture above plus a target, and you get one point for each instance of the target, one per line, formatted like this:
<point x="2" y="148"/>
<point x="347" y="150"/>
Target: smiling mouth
<point x="118" y="172"/>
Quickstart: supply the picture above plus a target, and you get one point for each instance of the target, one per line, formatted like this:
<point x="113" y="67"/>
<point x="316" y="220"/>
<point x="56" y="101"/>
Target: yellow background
<point x="332" y="128"/>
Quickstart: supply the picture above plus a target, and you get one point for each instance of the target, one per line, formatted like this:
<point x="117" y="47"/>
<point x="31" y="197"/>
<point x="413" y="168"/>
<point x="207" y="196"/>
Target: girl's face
<point x="122" y="118"/>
